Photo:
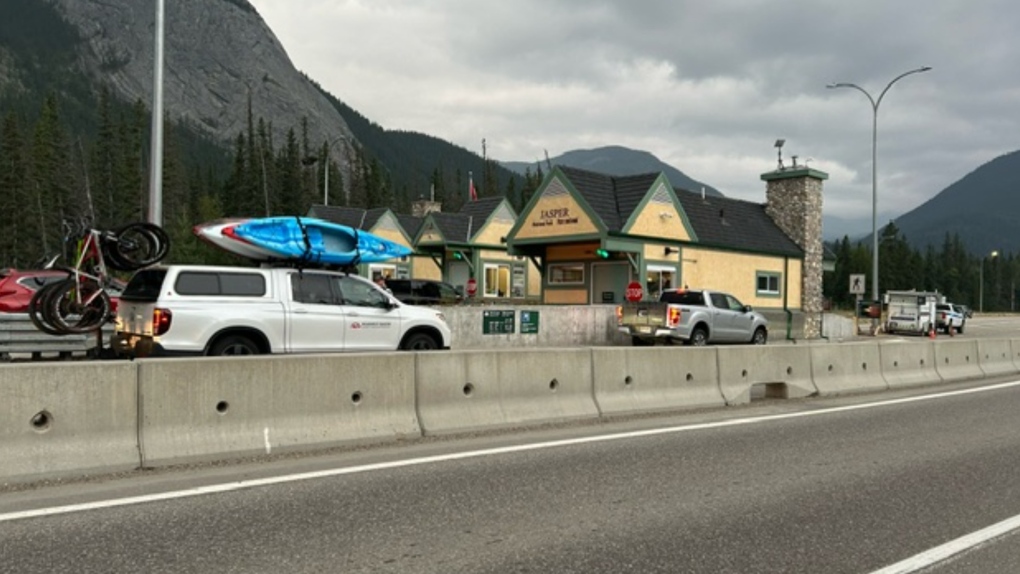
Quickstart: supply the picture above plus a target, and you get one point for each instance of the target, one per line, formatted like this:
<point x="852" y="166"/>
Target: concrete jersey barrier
<point x="216" y="407"/>
<point x="67" y="420"/>
<point x="785" y="370"/>
<point x="647" y="379"/>
<point x="469" y="390"/>
<point x="847" y="368"/>
<point x="957" y="360"/>
<point x="995" y="356"/>
<point x="908" y="363"/>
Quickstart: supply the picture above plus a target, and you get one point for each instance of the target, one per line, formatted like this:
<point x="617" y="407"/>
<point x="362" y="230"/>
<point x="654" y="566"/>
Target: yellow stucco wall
<point x="736" y="273"/>
<point x="424" y="267"/>
<point x="492" y="233"/>
<point x="660" y="220"/>
<point x="566" y="297"/>
<point x="494" y="255"/>
<point x="430" y="235"/>
<point x="656" y="253"/>
<point x="554" y="216"/>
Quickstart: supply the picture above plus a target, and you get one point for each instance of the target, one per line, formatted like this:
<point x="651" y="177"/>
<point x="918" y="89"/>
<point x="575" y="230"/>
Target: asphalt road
<point x="820" y="486"/>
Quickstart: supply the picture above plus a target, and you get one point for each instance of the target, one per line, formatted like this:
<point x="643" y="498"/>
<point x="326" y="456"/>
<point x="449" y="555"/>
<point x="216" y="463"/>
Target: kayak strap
<point x="357" y="252"/>
<point x="304" y="236"/>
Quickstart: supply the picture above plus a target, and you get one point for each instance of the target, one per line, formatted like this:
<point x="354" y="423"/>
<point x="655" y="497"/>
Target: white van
<point x="205" y="310"/>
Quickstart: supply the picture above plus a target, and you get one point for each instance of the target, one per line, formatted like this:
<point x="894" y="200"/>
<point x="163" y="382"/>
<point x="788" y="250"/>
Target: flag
<point x="471" y="188"/>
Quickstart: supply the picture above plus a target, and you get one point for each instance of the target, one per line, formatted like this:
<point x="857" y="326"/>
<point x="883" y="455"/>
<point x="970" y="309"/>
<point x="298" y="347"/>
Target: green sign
<point x="498" y="323"/>
<point x="529" y="322"/>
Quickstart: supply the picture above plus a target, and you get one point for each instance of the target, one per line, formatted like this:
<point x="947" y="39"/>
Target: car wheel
<point x="699" y="337"/>
<point x="960" y="328"/>
<point x="760" y="336"/>
<point x="234" y="345"/>
<point x="420" y="342"/>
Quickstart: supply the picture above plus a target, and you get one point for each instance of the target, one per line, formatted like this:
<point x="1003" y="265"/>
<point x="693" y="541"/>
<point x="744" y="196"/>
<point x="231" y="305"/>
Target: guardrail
<point x="76" y="419"/>
<point x="18" y="336"/>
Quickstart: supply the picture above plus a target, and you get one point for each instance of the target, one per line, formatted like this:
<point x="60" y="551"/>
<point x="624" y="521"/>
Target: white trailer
<point x="912" y="311"/>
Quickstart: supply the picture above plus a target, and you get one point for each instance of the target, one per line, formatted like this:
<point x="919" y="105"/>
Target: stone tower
<point x="793" y="199"/>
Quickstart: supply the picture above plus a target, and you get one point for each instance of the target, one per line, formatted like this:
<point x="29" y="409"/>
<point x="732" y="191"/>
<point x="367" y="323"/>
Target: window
<point x="217" y="283"/>
<point x="659" y="279"/>
<point x="767" y="284"/>
<point x="497" y="280"/>
<point x="312" y="288"/>
<point x="566" y="274"/>
<point x="359" y="293"/>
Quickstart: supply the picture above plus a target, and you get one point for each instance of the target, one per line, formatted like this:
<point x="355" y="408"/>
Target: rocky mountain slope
<point x="218" y="54"/>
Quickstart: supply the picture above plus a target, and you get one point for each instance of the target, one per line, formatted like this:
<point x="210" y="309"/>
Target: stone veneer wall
<point x="795" y="204"/>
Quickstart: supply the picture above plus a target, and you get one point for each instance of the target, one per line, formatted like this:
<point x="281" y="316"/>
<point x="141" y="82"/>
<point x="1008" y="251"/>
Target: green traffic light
<point x="602" y="253"/>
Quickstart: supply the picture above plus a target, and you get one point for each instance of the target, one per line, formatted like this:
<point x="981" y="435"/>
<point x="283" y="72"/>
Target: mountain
<point x="219" y="55"/>
<point x="983" y="207"/>
<point x="619" y="160"/>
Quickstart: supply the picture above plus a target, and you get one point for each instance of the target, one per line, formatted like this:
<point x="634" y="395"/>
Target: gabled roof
<point x="455" y="227"/>
<point x="482" y="208"/>
<point x="735" y="224"/>
<point x="613" y="198"/>
<point x="410" y="223"/>
<point x="716" y="221"/>
<point x="349" y="216"/>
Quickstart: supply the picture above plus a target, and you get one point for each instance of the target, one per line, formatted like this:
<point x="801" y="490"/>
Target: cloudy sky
<point x="707" y="87"/>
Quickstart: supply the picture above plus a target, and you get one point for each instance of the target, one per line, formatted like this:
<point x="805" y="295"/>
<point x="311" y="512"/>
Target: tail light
<point x="619" y="313"/>
<point x="161" y="319"/>
<point x="673" y="317"/>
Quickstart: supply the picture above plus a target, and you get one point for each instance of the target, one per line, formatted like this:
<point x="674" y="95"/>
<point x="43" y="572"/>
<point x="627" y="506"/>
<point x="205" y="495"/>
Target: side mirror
<point x="748" y="309"/>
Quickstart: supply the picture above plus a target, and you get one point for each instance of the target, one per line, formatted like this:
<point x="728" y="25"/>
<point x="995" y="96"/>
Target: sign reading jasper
<point x="557" y="216"/>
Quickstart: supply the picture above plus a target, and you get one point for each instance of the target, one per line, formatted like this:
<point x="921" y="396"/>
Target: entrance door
<point x="609" y="282"/>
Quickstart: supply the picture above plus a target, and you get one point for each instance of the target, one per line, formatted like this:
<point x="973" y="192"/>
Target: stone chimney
<point x="793" y="199"/>
<point x="423" y="207"/>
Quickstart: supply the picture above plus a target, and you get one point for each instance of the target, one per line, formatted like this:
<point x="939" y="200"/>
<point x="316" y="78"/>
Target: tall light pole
<point x="156" y="151"/>
<point x="325" y="169"/>
<point x="981" y="280"/>
<point x="874" y="168"/>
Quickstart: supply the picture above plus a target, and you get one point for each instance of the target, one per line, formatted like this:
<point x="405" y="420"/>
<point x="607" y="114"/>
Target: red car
<point x="18" y="285"/>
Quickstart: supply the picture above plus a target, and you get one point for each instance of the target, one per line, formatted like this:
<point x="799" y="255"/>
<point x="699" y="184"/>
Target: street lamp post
<point x="874" y="167"/>
<point x="325" y="169"/>
<point x="981" y="280"/>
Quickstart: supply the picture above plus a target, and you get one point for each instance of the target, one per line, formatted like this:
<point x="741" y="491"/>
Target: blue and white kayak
<point x="313" y="240"/>
<point x="212" y="233"/>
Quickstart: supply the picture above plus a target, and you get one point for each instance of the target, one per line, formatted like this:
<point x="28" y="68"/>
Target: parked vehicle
<point x="967" y="311"/>
<point x="18" y="286"/>
<point x="693" y="317"/>
<point x="424" y="292"/>
<point x="912" y="312"/>
<point x="949" y="317"/>
<point x="204" y="310"/>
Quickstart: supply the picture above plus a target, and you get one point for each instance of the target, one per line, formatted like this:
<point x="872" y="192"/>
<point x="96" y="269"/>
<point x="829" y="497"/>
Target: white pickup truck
<point x="694" y="317"/>
<point x="204" y="310"/>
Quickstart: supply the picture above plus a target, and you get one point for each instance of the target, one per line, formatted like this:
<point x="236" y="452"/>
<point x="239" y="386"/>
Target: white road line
<point x="949" y="549"/>
<point x="274" y="480"/>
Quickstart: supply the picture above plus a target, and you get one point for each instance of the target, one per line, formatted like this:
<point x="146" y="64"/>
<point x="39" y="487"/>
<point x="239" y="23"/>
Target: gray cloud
<point x="705" y="86"/>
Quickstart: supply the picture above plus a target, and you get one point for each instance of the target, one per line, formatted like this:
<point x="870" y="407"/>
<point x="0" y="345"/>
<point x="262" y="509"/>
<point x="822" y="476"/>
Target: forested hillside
<point x="949" y="269"/>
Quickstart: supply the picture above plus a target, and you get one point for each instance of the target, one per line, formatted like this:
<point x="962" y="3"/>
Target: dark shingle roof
<point x="481" y="209"/>
<point x="455" y="227"/>
<point x="349" y="216"/>
<point x="411" y="224"/>
<point x="736" y="224"/>
<point x="597" y="190"/>
<point x="717" y="221"/>
<point x="372" y="217"/>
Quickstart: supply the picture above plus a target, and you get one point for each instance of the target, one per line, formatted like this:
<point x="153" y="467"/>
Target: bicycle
<point x="81" y="303"/>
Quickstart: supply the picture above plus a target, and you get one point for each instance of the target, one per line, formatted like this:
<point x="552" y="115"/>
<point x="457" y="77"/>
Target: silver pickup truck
<point x="693" y="317"/>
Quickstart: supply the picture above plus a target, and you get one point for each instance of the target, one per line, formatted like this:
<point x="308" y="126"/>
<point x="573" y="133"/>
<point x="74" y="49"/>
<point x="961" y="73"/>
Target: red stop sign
<point x="472" y="287"/>
<point x="635" y="292"/>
